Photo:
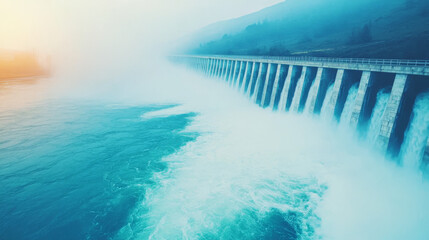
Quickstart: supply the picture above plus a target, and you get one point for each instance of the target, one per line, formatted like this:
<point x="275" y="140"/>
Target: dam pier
<point x="345" y="90"/>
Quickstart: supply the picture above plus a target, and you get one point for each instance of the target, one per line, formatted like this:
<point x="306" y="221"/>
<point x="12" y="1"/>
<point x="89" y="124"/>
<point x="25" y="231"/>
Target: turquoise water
<point x="75" y="170"/>
<point x="94" y="170"/>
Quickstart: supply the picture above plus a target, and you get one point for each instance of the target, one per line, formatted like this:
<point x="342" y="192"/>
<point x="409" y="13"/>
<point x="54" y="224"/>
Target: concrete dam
<point x="386" y="101"/>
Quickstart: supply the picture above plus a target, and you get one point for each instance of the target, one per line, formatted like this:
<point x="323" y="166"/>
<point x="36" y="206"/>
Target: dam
<point x="385" y="100"/>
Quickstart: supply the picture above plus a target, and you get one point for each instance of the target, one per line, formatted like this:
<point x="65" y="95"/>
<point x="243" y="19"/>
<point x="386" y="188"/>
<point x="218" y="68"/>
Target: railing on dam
<point x="378" y="97"/>
<point x="419" y="67"/>
<point x="390" y="62"/>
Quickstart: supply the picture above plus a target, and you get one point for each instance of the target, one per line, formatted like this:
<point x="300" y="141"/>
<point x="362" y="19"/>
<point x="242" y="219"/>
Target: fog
<point x="103" y="48"/>
<point x="247" y="161"/>
<point x="109" y="28"/>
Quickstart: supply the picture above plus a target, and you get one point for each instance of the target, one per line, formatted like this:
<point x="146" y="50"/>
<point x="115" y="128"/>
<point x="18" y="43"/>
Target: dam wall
<point x="377" y="97"/>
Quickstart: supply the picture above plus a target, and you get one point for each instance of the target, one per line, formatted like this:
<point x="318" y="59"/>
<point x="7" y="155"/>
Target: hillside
<point x="331" y="28"/>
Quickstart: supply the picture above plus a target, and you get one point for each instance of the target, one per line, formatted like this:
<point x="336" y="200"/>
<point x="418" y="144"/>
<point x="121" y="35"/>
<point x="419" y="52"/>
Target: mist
<point x="243" y="172"/>
<point x="104" y="48"/>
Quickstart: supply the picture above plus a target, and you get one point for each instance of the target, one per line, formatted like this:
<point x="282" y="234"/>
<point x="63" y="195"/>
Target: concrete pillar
<point x="266" y="85"/>
<point x="225" y="75"/>
<point x="249" y="86"/>
<point x="222" y="66"/>
<point x="236" y="73"/>
<point x="239" y="75"/>
<point x="226" y="72"/>
<point x="219" y="68"/>
<point x="285" y="90"/>
<point x="222" y="69"/>
<point x="242" y="75"/>
<point x="245" y="78"/>
<point x="216" y="62"/>
<point x="362" y="95"/>
<point x="207" y="69"/>
<point x="303" y="88"/>
<point x="209" y="66"/>
<point x="275" y="86"/>
<point x="255" y="71"/>
<point x="271" y="76"/>
<point x="260" y="83"/>
<point x="298" y="91"/>
<point x="216" y="67"/>
<point x="212" y="67"/>
<point x="313" y="98"/>
<point x="231" y="72"/>
<point x="284" y="71"/>
<point x="204" y="65"/>
<point x="221" y="62"/>
<point x="289" y="87"/>
<point x="232" y="76"/>
<point x="336" y="91"/>
<point x="328" y="79"/>
<point x="343" y="82"/>
<point x="386" y="138"/>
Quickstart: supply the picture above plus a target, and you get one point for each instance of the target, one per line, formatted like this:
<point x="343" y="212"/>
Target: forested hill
<point x="330" y="28"/>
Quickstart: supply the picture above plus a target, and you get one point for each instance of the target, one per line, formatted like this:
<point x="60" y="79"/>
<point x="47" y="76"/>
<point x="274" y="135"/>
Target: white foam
<point x="417" y="134"/>
<point x="171" y="111"/>
<point x="249" y="161"/>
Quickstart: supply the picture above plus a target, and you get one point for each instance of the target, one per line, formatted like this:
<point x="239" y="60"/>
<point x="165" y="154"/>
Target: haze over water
<point x="132" y="147"/>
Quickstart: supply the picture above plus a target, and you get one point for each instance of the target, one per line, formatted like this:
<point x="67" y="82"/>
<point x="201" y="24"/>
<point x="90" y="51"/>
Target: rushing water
<point x="298" y="90"/>
<point x="311" y="93"/>
<point x="220" y="169"/>
<point x="348" y="106"/>
<point x="376" y="116"/>
<point x="416" y="135"/>
<point x="324" y="111"/>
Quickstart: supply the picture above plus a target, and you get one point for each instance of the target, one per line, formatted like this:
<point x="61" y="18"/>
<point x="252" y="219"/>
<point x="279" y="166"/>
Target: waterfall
<point x="298" y="91"/>
<point x="324" y="110"/>
<point x="283" y="98"/>
<point x="275" y="87"/>
<point x="245" y="83"/>
<point x="377" y="115"/>
<point x="266" y="85"/>
<point x="239" y="76"/>
<point x="311" y="96"/>
<point x="249" y="87"/>
<point x="258" y="84"/>
<point x="417" y="133"/>
<point x="348" y="106"/>
<point x="231" y="75"/>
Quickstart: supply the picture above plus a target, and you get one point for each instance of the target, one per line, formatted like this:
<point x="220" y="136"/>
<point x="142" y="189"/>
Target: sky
<point x="59" y="25"/>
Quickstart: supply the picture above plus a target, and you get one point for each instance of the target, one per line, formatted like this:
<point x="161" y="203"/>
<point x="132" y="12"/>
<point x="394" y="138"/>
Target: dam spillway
<point x="378" y="98"/>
